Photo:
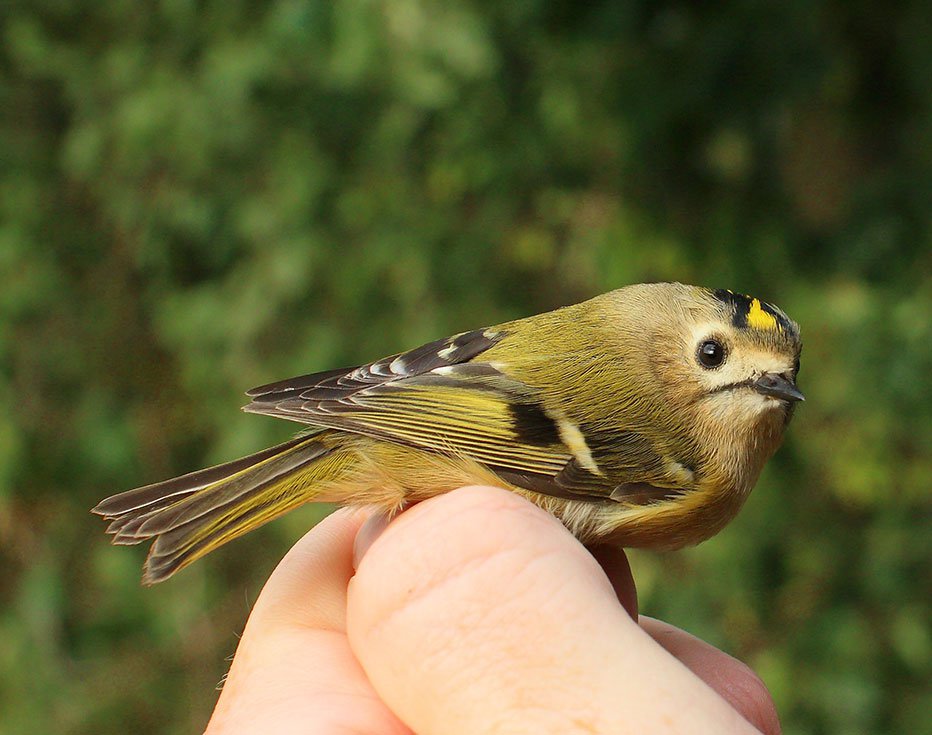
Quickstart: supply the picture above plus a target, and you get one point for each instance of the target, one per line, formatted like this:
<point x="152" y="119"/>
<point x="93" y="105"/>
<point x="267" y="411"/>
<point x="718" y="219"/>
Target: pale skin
<point x="472" y="612"/>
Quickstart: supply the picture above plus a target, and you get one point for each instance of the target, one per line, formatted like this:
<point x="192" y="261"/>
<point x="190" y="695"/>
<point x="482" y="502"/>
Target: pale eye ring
<point x="711" y="354"/>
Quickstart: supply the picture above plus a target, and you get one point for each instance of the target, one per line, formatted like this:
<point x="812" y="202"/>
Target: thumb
<point x="477" y="612"/>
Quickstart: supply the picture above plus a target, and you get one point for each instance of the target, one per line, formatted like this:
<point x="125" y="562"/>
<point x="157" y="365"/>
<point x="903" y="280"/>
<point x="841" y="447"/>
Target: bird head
<point x="744" y="356"/>
<point x="724" y="364"/>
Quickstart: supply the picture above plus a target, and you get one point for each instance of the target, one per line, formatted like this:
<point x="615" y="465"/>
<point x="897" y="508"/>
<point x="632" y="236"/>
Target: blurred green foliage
<point x="196" y="197"/>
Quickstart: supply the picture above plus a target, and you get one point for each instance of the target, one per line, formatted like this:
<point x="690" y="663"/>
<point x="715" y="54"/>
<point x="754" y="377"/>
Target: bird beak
<point x="776" y="385"/>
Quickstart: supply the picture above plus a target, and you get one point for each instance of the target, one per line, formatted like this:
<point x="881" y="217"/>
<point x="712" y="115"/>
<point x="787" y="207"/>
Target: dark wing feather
<point x="336" y="384"/>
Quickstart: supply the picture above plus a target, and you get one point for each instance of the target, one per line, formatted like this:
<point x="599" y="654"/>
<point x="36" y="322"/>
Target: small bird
<point x="642" y="417"/>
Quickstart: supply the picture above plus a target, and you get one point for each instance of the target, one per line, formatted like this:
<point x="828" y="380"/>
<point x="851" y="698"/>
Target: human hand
<point x="473" y="612"/>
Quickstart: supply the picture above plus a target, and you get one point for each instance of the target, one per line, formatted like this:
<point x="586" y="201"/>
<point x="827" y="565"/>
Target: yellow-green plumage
<point x="604" y="413"/>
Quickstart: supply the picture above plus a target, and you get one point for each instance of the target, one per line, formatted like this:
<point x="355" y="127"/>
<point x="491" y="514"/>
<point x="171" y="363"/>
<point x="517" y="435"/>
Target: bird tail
<point x="192" y="515"/>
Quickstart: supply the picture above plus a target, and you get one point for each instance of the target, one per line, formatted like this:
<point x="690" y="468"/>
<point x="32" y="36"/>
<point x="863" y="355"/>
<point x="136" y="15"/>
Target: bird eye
<point x="711" y="353"/>
<point x="796" y="367"/>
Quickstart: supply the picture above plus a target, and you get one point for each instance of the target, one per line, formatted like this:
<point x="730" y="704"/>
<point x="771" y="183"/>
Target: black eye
<point x="711" y="353"/>
<point x="796" y="368"/>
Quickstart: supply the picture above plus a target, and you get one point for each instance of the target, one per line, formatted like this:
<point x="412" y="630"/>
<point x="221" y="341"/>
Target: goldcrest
<point x="641" y="417"/>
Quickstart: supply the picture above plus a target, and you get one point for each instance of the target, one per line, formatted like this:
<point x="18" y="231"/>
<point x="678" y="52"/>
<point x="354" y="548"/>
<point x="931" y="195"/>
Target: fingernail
<point x="367" y="534"/>
<point x="615" y="564"/>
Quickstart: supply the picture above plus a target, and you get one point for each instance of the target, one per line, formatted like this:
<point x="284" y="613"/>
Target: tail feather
<point x="230" y="491"/>
<point x="160" y="494"/>
<point x="179" y="547"/>
<point x="192" y="515"/>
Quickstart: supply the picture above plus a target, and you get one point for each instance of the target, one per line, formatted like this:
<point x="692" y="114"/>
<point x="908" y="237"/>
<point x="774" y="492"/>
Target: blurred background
<point x="199" y="197"/>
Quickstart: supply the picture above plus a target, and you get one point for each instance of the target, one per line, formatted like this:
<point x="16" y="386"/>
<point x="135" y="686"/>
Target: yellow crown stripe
<point x="760" y="319"/>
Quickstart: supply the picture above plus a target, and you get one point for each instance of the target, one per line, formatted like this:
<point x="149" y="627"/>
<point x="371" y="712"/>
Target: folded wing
<point x="443" y="398"/>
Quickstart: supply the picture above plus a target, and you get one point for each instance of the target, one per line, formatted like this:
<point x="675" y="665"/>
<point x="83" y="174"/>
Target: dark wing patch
<point x="532" y="425"/>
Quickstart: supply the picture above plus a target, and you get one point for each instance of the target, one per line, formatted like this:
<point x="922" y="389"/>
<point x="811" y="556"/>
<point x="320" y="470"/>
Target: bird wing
<point x="441" y="398"/>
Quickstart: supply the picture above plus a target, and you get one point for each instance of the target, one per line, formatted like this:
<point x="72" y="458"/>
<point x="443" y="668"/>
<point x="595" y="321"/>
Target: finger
<point x="478" y="596"/>
<point x="614" y="562"/>
<point x="308" y="587"/>
<point x="733" y="680"/>
<point x="293" y="671"/>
